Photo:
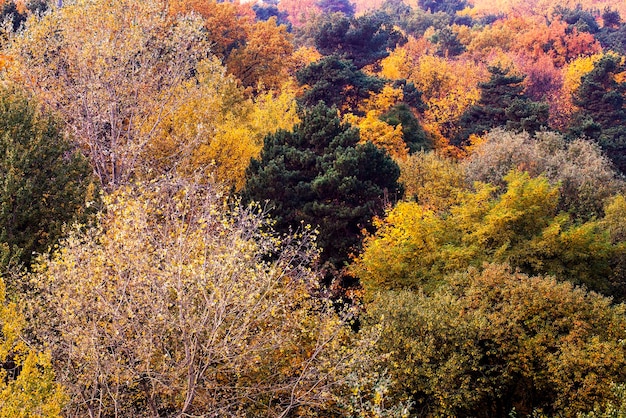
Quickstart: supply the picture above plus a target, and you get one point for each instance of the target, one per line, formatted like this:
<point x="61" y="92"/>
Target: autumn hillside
<point x="315" y="208"/>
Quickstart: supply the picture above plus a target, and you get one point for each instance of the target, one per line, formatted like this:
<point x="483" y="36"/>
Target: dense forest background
<point x="316" y="208"/>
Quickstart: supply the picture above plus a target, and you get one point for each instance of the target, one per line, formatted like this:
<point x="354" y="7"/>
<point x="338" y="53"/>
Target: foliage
<point x="491" y="341"/>
<point x="600" y="102"/>
<point x="320" y="175"/>
<point x="264" y="57"/>
<point x="44" y="181"/>
<point x="585" y="177"/>
<point x="27" y="384"/>
<point x="416" y="246"/>
<point x="413" y="134"/>
<point x="447" y="6"/>
<point x="336" y="6"/>
<point x="614" y="409"/>
<point x="213" y="129"/>
<point x="383" y="135"/>
<point x="502" y="103"/>
<point x="448" y="87"/>
<point x="363" y="40"/>
<point x="179" y="302"/>
<point x="108" y="69"/>
<point x="336" y="82"/>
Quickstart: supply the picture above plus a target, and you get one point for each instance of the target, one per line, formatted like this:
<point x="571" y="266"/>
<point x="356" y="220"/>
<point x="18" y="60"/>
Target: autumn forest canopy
<point x="316" y="208"/>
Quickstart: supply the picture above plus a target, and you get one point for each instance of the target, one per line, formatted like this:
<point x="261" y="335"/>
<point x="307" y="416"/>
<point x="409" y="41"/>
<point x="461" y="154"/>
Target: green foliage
<point x="600" y="99"/>
<point x="364" y="40"/>
<point x="44" y="182"/>
<point x="448" y="44"/>
<point x="585" y="177"/>
<point x="579" y="18"/>
<point x="488" y="342"/>
<point x="320" y="175"/>
<point x="336" y="82"/>
<point x="446" y="6"/>
<point x="336" y="6"/>
<point x="416" y="247"/>
<point x="413" y="134"/>
<point x="502" y="103"/>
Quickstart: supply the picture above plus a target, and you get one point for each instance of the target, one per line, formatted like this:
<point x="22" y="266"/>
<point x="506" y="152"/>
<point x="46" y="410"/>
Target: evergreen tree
<point x="413" y="134"/>
<point x="336" y="82"/>
<point x="502" y="103"/>
<point x="321" y="175"/>
<point x="364" y="40"/>
<point x="336" y="6"/>
<point x="446" y="6"/>
<point x="44" y="183"/>
<point x="601" y="115"/>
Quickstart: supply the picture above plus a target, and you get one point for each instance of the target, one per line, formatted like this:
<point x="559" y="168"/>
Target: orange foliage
<point x="265" y="56"/>
<point x="227" y="24"/>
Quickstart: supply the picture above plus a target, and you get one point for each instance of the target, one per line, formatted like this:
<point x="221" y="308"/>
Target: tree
<point x="320" y="175"/>
<point x="213" y="128"/>
<point x="28" y="387"/>
<point x="336" y="6"/>
<point x="413" y="134"/>
<point x="446" y="6"/>
<point x="44" y="181"/>
<point x="108" y="68"/>
<point x="431" y="180"/>
<point x="585" y="176"/>
<point x="502" y="103"/>
<point x="179" y="302"/>
<point x="448" y="44"/>
<point x="264" y="57"/>
<point x="415" y="246"/>
<point x="364" y="40"/>
<point x="490" y="342"/>
<point x="9" y="13"/>
<point x="600" y="99"/>
<point x="336" y="82"/>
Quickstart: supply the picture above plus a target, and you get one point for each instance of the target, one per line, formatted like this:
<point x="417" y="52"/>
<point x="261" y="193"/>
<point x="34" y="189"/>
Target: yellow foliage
<point x="380" y="133"/>
<point x="265" y="57"/>
<point x="216" y="129"/>
<point x="27" y="382"/>
<point x="575" y="70"/>
<point x="449" y="88"/>
<point x="108" y="68"/>
<point x="397" y="65"/>
<point x="304" y="56"/>
<point x="181" y="301"/>
<point x="379" y="103"/>
<point x="431" y="180"/>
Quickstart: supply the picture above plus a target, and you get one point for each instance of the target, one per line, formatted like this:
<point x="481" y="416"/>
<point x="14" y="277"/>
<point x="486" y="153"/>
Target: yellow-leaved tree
<point x="180" y="303"/>
<point x="27" y="384"/>
<point x="377" y="131"/>
<point x="214" y="129"/>
<point x="108" y="69"/>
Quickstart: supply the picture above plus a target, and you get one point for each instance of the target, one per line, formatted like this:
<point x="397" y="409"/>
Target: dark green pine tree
<point x="363" y="40"/>
<point x="336" y="6"/>
<point x="602" y="112"/>
<point x="413" y="134"/>
<point x="44" y="182"/>
<point x="502" y="104"/>
<point x="319" y="174"/>
<point x="336" y="82"/>
<point x="446" y="6"/>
